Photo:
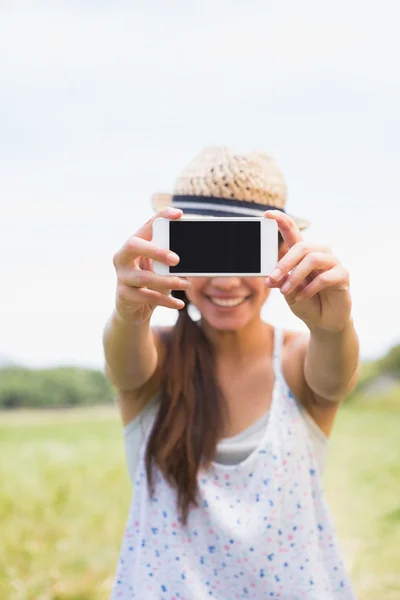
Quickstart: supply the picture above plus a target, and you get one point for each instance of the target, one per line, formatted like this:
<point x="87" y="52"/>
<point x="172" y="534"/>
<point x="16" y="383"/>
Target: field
<point x="64" y="495"/>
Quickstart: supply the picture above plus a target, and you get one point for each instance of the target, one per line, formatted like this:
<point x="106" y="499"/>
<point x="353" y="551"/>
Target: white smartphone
<point x="223" y="247"/>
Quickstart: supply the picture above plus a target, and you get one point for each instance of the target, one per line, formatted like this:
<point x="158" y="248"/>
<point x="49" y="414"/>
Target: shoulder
<point x="134" y="402"/>
<point x="161" y="336"/>
<point x="151" y="387"/>
<point x="294" y="341"/>
<point x="294" y="353"/>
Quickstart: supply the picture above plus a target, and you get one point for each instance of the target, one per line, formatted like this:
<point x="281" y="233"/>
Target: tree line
<point x="21" y="387"/>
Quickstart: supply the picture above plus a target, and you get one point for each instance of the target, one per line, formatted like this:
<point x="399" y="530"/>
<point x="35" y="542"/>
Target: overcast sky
<point x="102" y="103"/>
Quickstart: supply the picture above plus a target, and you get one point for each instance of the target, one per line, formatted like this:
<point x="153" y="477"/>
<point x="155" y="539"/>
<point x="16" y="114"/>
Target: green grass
<point x="363" y="486"/>
<point x="64" y="496"/>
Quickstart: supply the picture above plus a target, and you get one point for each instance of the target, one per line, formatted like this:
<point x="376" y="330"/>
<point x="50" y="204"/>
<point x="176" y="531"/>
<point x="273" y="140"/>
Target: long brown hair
<point x="191" y="412"/>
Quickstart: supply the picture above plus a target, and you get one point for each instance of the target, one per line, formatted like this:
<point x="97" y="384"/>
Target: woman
<point x="227" y="419"/>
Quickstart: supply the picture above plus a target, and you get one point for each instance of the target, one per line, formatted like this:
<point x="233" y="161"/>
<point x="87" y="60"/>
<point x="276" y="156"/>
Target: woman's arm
<point x="332" y="362"/>
<point x="131" y="348"/>
<point x="130" y="353"/>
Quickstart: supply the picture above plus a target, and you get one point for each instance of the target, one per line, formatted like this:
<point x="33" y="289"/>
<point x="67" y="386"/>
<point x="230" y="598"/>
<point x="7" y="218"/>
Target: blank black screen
<point x="216" y="246"/>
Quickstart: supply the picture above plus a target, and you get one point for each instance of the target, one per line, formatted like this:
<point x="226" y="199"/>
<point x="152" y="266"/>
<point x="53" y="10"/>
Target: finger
<point x="137" y="247"/>
<point x="293" y="257"/>
<point x="290" y="232"/>
<point x="145" y="264"/>
<point x="159" y="299"/>
<point x="337" y="278"/>
<point x="148" y="279"/>
<point x="136" y="296"/>
<point x="275" y="283"/>
<point x="146" y="231"/>
<point x="314" y="261"/>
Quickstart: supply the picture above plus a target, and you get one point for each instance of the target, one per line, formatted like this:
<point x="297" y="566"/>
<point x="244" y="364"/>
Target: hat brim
<point x="161" y="200"/>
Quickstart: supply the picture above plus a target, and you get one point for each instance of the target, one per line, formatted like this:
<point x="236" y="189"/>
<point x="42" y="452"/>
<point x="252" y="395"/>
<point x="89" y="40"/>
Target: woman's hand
<point x="313" y="281"/>
<point x="139" y="290"/>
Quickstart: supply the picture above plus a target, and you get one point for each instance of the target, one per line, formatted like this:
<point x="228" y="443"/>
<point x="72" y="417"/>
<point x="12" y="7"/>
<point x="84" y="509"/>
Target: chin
<point x="238" y="319"/>
<point x="226" y="325"/>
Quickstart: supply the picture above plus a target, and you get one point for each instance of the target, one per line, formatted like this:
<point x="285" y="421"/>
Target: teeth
<point x="228" y="302"/>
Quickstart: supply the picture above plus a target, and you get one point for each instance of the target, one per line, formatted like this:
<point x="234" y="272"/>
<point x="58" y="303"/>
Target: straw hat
<point x="221" y="183"/>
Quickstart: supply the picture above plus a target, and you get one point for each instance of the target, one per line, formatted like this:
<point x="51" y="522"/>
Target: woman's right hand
<point x="139" y="289"/>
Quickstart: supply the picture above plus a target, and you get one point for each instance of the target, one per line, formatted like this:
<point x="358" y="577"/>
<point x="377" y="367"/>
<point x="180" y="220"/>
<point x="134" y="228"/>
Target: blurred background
<point x="103" y="103"/>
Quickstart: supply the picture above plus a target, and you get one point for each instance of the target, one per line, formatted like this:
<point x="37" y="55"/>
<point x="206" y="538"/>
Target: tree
<point x="58" y="387"/>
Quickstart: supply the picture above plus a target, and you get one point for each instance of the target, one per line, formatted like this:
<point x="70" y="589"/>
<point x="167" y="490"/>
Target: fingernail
<point x="185" y="283"/>
<point x="175" y="211"/>
<point x="172" y="258"/>
<point x="276" y="274"/>
<point x="180" y="304"/>
<point x="286" y="287"/>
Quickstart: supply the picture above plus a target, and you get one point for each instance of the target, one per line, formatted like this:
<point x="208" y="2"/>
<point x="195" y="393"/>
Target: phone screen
<point x="216" y="246"/>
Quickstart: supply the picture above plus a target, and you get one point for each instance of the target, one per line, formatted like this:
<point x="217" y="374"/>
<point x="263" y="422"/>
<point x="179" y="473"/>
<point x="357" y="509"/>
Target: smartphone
<point x="211" y="247"/>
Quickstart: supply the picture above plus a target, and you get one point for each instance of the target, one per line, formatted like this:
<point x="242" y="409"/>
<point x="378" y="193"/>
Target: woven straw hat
<point x="221" y="183"/>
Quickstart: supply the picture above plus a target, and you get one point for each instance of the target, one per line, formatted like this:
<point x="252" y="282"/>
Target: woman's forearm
<point x="130" y="353"/>
<point x="332" y="359"/>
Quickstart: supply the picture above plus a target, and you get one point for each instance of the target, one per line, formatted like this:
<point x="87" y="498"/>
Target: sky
<point x="103" y="103"/>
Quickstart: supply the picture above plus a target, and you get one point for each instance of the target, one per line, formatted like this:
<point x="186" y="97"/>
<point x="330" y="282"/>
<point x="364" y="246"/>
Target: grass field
<point x="64" y="495"/>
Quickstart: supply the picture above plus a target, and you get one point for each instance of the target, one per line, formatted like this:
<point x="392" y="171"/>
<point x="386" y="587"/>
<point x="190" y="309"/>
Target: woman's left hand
<point x="314" y="283"/>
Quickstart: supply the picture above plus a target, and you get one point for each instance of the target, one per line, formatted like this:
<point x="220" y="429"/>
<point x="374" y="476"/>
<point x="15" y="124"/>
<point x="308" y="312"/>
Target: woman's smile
<point x="227" y="302"/>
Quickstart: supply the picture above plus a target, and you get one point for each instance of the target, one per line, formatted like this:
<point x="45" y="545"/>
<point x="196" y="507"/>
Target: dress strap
<point x="278" y="345"/>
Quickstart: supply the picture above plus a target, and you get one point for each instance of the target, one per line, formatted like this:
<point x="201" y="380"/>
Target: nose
<point x="226" y="283"/>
